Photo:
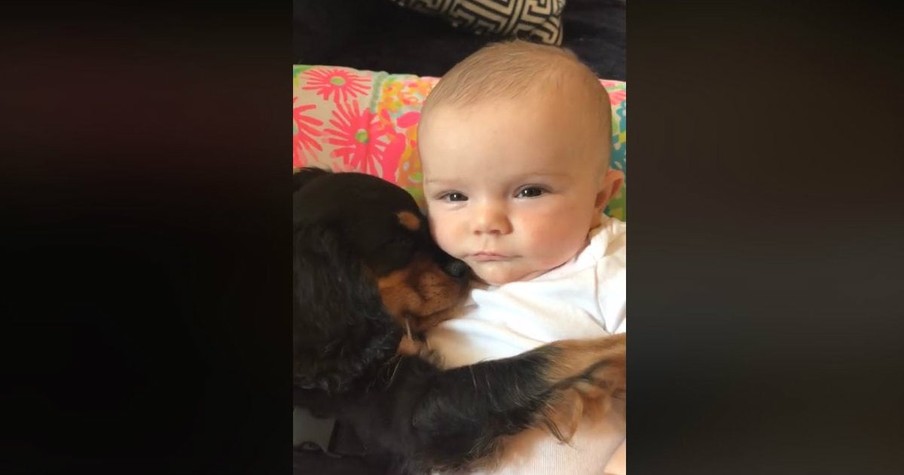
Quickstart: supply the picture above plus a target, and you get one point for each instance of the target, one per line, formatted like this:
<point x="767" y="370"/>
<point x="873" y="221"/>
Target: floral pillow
<point x="352" y="120"/>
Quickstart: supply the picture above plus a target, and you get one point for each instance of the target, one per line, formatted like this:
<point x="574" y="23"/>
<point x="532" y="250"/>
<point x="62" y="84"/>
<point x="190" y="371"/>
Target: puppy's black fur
<point x="365" y="269"/>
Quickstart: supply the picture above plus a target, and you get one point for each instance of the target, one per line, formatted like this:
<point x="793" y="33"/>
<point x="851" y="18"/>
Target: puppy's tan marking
<point x="409" y="220"/>
<point x="397" y="295"/>
<point x="600" y="359"/>
<point x="421" y="294"/>
<point x="594" y="371"/>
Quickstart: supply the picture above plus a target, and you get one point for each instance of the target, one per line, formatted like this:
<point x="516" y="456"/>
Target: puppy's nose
<point x="456" y="268"/>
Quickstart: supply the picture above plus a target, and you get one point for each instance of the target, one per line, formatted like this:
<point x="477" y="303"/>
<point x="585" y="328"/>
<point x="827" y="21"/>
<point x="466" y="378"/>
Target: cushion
<point x="346" y="119"/>
<point x="535" y="20"/>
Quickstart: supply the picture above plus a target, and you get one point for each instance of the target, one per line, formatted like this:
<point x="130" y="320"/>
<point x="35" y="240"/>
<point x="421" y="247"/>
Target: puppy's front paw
<point x="594" y="368"/>
<point x="588" y="374"/>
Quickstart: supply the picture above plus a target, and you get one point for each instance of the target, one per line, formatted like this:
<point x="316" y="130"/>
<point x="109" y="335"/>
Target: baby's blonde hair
<point x="515" y="69"/>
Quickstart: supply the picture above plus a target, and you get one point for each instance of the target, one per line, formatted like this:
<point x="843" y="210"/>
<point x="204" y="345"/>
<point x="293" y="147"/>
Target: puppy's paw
<point x="587" y="374"/>
<point x="594" y="368"/>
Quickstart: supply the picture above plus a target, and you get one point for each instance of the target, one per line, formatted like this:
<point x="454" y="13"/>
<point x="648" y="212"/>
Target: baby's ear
<point x="610" y="183"/>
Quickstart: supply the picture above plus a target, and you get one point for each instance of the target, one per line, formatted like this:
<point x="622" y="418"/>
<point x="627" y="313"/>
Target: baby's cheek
<point x="444" y="237"/>
<point x="433" y="223"/>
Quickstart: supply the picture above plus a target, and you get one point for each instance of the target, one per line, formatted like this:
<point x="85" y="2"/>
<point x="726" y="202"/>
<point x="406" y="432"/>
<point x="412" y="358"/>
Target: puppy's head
<point x="365" y="266"/>
<point x="380" y="226"/>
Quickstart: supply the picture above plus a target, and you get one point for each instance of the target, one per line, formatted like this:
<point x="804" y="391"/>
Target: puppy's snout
<point x="456" y="268"/>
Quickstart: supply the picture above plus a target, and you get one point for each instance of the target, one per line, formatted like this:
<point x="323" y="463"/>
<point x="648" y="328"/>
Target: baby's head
<point x="515" y="145"/>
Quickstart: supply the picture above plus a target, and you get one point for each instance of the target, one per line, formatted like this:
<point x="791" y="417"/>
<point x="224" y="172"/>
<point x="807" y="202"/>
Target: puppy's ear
<point x="305" y="175"/>
<point x="341" y="331"/>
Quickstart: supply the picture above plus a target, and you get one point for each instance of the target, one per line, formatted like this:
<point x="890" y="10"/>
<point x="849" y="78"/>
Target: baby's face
<point x="511" y="187"/>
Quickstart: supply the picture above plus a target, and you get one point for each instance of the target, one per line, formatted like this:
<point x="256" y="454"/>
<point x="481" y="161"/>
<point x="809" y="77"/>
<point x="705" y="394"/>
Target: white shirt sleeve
<point x="617" y="463"/>
<point x="611" y="278"/>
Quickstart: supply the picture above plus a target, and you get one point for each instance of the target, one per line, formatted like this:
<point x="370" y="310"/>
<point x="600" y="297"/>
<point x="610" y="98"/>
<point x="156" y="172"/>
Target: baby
<point x="515" y="143"/>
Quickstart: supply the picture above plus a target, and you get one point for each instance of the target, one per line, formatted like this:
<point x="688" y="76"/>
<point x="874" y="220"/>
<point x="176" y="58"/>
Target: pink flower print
<point x="394" y="149"/>
<point x="339" y="83"/>
<point x="392" y="154"/>
<point x="616" y="97"/>
<point x="409" y="167"/>
<point x="409" y="119"/>
<point x="303" y="142"/>
<point x="358" y="136"/>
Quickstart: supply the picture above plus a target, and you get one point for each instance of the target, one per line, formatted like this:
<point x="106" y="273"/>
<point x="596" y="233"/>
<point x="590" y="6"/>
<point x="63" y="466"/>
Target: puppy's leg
<point x="459" y="417"/>
<point x="600" y="363"/>
<point x="588" y="374"/>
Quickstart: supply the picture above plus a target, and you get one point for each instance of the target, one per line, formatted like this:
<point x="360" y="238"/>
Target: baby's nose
<point x="491" y="218"/>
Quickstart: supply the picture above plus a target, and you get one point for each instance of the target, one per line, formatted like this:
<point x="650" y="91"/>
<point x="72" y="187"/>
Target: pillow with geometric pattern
<point x="532" y="20"/>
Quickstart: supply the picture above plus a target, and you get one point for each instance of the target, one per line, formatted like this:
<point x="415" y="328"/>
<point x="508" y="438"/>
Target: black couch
<point x="380" y="36"/>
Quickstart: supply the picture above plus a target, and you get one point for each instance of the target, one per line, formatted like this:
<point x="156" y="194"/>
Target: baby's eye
<point x="530" y="192"/>
<point x="453" y="196"/>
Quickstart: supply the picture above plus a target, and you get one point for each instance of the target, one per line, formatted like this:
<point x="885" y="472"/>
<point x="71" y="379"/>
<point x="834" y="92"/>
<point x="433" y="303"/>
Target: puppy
<point x="368" y="281"/>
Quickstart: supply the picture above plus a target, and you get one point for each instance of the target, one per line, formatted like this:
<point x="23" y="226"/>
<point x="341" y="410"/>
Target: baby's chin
<point x="497" y="276"/>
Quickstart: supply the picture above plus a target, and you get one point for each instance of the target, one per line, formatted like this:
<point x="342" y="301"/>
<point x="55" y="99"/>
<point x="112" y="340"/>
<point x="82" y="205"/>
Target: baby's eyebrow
<point x="523" y="177"/>
<point x="435" y="181"/>
<point x="529" y="176"/>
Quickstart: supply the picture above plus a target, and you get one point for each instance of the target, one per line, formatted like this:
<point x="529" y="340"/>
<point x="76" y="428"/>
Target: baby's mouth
<point x="488" y="257"/>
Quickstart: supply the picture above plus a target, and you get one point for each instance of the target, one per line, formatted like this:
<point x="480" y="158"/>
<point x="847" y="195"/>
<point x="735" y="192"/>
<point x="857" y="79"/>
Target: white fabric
<point x="584" y="298"/>
<point x="617" y="464"/>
